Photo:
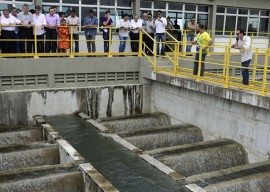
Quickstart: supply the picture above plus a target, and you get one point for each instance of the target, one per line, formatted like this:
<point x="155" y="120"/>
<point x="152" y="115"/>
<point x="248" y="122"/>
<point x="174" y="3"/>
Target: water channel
<point x="124" y="169"/>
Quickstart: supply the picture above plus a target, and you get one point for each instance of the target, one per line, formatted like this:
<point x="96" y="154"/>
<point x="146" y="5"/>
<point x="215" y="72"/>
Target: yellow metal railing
<point x="179" y="61"/>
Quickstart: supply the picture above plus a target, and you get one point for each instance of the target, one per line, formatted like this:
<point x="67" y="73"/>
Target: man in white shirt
<point x="40" y="22"/>
<point x="243" y="43"/>
<point x="136" y="25"/>
<point x="8" y="32"/>
<point x="123" y="32"/>
<point x="73" y="20"/>
<point x="160" y="24"/>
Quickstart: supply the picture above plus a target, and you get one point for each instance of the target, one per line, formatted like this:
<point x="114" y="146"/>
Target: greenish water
<point x="124" y="169"/>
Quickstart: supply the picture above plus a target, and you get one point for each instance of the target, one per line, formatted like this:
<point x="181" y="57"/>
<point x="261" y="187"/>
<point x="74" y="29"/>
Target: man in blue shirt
<point x="106" y="23"/>
<point x="91" y="23"/>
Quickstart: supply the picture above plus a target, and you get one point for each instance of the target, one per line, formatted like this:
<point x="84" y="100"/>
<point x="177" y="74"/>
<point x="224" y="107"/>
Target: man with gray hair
<point x="136" y="26"/>
<point x="26" y="31"/>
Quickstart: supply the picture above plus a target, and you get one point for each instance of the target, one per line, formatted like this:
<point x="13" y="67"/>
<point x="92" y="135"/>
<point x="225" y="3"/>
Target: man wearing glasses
<point x="150" y="29"/>
<point x="191" y="27"/>
<point x="160" y="24"/>
<point x="243" y="43"/>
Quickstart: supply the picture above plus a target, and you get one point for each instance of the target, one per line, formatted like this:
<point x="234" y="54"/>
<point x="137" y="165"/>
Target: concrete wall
<point x="243" y="117"/>
<point x="18" y="107"/>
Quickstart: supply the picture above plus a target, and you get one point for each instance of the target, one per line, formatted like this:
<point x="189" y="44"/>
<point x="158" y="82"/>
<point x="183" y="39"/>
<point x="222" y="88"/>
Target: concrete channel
<point x="219" y="165"/>
<point x="37" y="158"/>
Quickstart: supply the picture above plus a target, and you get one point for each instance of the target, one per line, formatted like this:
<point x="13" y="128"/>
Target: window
<point x="89" y="2"/>
<point x="158" y="5"/>
<point x="230" y="24"/>
<point x="107" y="2"/>
<point x="70" y="1"/>
<point x="123" y="3"/>
<point x="45" y="9"/>
<point x="203" y="19"/>
<point x="50" y="1"/>
<point x="190" y="7"/>
<point x="67" y="10"/>
<point x="203" y="8"/>
<point x="219" y="24"/>
<point x="175" y="6"/>
<point x="263" y="26"/>
<point x="249" y="19"/>
<point x="146" y="4"/>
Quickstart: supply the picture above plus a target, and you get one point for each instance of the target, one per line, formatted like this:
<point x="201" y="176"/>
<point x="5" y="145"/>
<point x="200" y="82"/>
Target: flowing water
<point x="124" y="169"/>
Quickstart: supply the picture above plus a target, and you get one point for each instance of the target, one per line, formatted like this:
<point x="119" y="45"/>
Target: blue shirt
<point x="90" y="21"/>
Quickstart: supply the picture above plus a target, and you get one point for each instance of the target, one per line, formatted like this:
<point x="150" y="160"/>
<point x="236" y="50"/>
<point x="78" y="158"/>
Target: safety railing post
<point x="199" y="65"/>
<point x="140" y="43"/>
<point x="155" y="56"/>
<point x="71" y="43"/>
<point x="225" y="61"/>
<point x="184" y="42"/>
<point x="252" y="38"/>
<point x="227" y="68"/>
<point x="175" y="58"/>
<point x="230" y="42"/>
<point x="110" y="43"/>
<point x="254" y="71"/>
<point x="35" y="43"/>
<point x="263" y="92"/>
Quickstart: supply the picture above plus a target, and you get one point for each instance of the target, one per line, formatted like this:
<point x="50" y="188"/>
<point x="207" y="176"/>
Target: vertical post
<point x="227" y="64"/>
<point x="185" y="41"/>
<point x="35" y="43"/>
<point x="140" y="43"/>
<point x="199" y="65"/>
<point x="225" y="61"/>
<point x="252" y="38"/>
<point x="255" y="66"/>
<point x="71" y="42"/>
<point x="263" y="92"/>
<point x="176" y="58"/>
<point x="155" y="56"/>
<point x="230" y="43"/>
<point x="110" y="42"/>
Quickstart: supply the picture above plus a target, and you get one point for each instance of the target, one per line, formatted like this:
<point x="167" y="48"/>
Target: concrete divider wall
<point x="18" y="107"/>
<point x="238" y="115"/>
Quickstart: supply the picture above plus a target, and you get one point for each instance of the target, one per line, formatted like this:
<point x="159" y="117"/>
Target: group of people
<point x="54" y="28"/>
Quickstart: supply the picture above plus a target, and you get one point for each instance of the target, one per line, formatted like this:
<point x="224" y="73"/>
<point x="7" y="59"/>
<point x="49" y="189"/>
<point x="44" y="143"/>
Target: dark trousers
<point x="76" y="42"/>
<point x="149" y="44"/>
<point x="8" y="46"/>
<point x="196" y="64"/>
<point x="245" y="72"/>
<point x="134" y="37"/>
<point x="51" y="46"/>
<point x="106" y="41"/>
<point x="144" y="37"/>
<point x="26" y="38"/>
<point x="40" y="43"/>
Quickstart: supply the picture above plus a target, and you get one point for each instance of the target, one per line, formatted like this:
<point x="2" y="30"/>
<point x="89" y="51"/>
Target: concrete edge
<point x="39" y="120"/>
<point x="91" y="173"/>
<point x="83" y="116"/>
<point x="68" y="154"/>
<point x="195" y="188"/>
<point x="162" y="167"/>
<point x="49" y="133"/>
<point x="125" y="143"/>
<point x="99" y="126"/>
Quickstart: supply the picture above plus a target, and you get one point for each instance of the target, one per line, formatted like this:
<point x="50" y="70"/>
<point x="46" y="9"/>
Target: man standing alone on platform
<point x="26" y="32"/>
<point x="91" y="23"/>
<point x="203" y="41"/>
<point x="243" y="43"/>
